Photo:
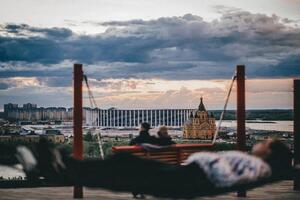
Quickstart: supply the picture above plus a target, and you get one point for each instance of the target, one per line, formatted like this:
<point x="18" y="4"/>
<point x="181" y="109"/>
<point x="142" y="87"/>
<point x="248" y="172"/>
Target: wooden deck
<point x="281" y="190"/>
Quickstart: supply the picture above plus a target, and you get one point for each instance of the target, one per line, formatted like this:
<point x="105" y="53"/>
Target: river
<point x="261" y="125"/>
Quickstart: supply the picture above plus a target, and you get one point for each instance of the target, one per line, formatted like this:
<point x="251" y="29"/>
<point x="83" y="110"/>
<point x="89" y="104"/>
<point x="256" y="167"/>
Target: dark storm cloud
<point x="56" y="81"/>
<point x="288" y="67"/>
<point x="184" y="47"/>
<point x="50" y="32"/>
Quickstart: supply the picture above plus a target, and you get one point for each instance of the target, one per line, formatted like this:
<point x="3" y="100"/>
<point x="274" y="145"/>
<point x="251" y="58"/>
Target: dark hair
<point x="280" y="158"/>
<point x="145" y="125"/>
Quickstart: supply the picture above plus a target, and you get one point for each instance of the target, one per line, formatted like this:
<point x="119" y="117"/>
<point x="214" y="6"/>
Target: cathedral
<point x="201" y="124"/>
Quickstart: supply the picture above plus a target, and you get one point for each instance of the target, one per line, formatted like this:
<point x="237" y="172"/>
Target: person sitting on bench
<point x="125" y="172"/>
<point x="149" y="142"/>
<point x="164" y="138"/>
<point x="144" y="136"/>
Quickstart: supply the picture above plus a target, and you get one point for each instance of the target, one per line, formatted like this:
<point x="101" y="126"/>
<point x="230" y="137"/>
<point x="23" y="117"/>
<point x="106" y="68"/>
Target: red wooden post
<point x="241" y="114"/>
<point x="297" y="131"/>
<point x="77" y="122"/>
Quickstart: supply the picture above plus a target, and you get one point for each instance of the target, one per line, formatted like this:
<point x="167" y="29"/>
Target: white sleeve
<point x="216" y="168"/>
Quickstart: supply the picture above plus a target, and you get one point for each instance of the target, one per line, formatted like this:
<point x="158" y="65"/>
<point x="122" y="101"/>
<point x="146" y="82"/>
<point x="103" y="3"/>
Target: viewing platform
<point x="280" y="190"/>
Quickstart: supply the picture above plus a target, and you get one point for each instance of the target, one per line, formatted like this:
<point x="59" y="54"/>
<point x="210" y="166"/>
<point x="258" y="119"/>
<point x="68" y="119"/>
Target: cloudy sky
<point x="149" y="54"/>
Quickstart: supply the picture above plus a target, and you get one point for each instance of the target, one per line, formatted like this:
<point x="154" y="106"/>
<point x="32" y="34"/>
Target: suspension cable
<point x="94" y="105"/>
<point x="100" y="144"/>
<point x="91" y="96"/>
<point x="224" y="109"/>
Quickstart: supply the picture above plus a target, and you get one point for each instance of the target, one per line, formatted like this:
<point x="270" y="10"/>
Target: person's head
<point x="163" y="132"/>
<point x="275" y="153"/>
<point x="145" y="127"/>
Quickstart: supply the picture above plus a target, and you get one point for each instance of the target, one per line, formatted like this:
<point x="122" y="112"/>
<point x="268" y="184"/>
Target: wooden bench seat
<point x="175" y="154"/>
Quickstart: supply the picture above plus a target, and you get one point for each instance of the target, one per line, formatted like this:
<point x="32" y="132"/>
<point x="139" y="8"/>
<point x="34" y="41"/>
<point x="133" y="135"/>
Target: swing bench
<point x="174" y="154"/>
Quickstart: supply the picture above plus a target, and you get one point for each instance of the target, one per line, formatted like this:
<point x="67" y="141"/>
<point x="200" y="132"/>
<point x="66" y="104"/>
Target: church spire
<point x="201" y="106"/>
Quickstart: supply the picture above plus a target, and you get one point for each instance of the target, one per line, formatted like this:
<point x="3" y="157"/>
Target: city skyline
<point x="136" y="58"/>
<point x="32" y="106"/>
<point x="115" y="117"/>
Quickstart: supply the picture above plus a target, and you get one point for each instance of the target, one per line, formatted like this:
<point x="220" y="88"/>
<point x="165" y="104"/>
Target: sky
<point x="149" y="54"/>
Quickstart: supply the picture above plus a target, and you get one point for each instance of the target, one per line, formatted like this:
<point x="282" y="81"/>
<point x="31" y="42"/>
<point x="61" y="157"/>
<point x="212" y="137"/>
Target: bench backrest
<point x="175" y="154"/>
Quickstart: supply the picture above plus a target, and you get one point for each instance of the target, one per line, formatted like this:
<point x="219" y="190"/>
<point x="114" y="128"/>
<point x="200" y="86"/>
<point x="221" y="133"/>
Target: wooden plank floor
<point x="281" y="190"/>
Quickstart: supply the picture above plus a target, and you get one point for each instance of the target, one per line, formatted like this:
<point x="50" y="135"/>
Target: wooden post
<point x="77" y="122"/>
<point x="241" y="114"/>
<point x="297" y="131"/>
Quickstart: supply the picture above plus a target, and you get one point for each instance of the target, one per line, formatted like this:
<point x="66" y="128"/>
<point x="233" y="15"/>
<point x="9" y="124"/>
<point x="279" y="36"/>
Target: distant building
<point x="108" y="118"/>
<point x="8" y="108"/>
<point x="54" y="135"/>
<point x="29" y="106"/>
<point x="125" y="118"/>
<point x="30" y="112"/>
<point x="201" y="124"/>
<point x="51" y="135"/>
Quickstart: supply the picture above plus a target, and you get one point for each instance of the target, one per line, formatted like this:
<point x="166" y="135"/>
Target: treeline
<point x="272" y="114"/>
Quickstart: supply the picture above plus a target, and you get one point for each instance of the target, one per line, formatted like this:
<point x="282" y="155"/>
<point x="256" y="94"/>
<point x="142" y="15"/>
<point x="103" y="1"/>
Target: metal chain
<point x="91" y="96"/>
<point x="224" y="110"/>
<point x="94" y="105"/>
